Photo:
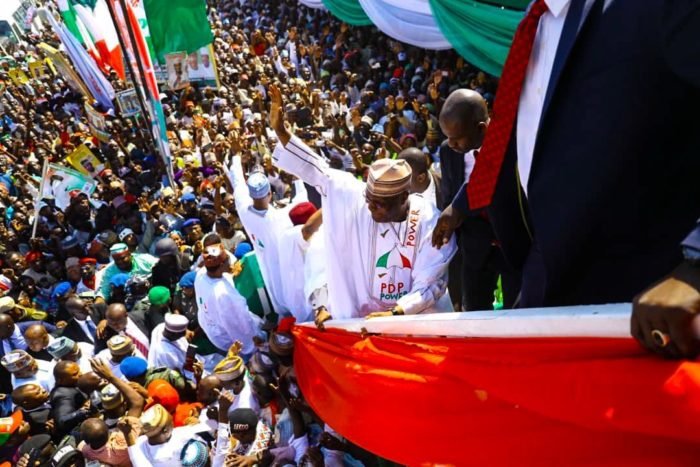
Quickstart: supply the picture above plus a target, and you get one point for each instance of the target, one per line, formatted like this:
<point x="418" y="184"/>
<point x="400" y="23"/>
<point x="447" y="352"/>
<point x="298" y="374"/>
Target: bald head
<point x="464" y="119"/>
<point x="66" y="373"/>
<point x="89" y="382"/>
<point x="420" y="177"/>
<point x="29" y="396"/>
<point x="464" y="105"/>
<point x="207" y="389"/>
<point x="417" y="159"/>
<point x="94" y="432"/>
<point x="116" y="316"/>
<point x="7" y="326"/>
<point x="37" y="337"/>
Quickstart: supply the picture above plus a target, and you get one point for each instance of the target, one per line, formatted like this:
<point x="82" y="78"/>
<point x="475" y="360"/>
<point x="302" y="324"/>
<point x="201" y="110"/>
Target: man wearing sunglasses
<point x="379" y="257"/>
<point x="222" y="311"/>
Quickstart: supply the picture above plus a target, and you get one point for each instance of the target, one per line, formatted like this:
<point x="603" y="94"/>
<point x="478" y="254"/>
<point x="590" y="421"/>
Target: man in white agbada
<point x="222" y="311"/>
<point x="294" y="245"/>
<point x="65" y="348"/>
<point x="379" y="255"/>
<point x="168" y="343"/>
<point x="264" y="224"/>
<point x="160" y="444"/>
<point x="25" y="369"/>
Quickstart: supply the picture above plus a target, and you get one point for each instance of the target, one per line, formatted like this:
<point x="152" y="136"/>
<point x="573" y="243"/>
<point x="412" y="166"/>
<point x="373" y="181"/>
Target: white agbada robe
<point x="315" y="265"/>
<point x="264" y="228"/>
<point x="162" y="455"/>
<point x="43" y="377"/>
<point x="87" y="351"/>
<point x="223" y="313"/>
<point x="291" y="262"/>
<point x="166" y="353"/>
<point x="372" y="266"/>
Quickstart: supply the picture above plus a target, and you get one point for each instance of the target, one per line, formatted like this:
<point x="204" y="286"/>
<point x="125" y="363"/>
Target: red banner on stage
<point x="514" y="401"/>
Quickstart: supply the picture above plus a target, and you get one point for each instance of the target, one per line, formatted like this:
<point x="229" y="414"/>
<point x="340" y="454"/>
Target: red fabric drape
<point x="554" y="401"/>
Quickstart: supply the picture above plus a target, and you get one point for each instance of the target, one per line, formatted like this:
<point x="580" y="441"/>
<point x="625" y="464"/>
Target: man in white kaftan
<point x="264" y="224"/>
<point x="372" y="266"/>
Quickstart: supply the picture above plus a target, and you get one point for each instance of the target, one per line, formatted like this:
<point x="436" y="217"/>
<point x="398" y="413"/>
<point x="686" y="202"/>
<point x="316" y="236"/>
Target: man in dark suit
<point x="66" y="399"/>
<point x="82" y="326"/>
<point x="589" y="169"/>
<point x="474" y="272"/>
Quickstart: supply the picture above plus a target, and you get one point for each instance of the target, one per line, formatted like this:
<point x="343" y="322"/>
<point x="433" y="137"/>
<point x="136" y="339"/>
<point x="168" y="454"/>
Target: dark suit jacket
<point x="475" y="236"/>
<point x="614" y="183"/>
<point x="65" y="405"/>
<point x="76" y="333"/>
<point x="73" y="330"/>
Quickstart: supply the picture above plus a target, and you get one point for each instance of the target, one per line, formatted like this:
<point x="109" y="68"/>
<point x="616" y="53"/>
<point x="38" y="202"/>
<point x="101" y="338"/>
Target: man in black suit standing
<point x="66" y="399"/>
<point x="474" y="272"/>
<point x="590" y="165"/>
<point x="82" y="326"/>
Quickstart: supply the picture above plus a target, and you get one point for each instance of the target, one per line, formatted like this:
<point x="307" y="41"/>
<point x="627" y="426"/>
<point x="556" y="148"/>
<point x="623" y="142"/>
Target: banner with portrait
<point x="128" y="103"/>
<point x="97" y="124"/>
<point x="85" y="161"/>
<point x="176" y="65"/>
<point x="197" y="67"/>
<point x="61" y="183"/>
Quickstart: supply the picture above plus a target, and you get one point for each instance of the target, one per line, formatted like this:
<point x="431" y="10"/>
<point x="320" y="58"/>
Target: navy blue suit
<point x="615" y="180"/>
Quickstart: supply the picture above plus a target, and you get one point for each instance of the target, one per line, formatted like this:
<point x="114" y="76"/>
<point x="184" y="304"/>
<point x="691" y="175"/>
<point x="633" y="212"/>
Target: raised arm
<point x="241" y="195"/>
<point x="291" y="154"/>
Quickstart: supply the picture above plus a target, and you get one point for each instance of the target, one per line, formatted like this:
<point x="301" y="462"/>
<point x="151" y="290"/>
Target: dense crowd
<point x="144" y="325"/>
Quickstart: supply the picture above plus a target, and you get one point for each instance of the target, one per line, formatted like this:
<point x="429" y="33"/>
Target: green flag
<point x="178" y="25"/>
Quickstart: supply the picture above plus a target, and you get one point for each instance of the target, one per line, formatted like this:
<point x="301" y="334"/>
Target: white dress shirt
<point x="534" y="90"/>
<point x="469" y="161"/>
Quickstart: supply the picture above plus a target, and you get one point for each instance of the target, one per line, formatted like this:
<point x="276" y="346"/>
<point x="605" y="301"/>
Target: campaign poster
<point x="84" y="161"/>
<point x="128" y="103"/>
<point x="62" y="183"/>
<point x="97" y="124"/>
<point x="178" y="71"/>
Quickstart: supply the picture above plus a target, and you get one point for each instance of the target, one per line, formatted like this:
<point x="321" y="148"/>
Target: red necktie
<point x="482" y="183"/>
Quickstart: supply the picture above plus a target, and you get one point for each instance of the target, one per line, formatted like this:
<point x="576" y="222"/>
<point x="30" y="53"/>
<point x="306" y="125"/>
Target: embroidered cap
<point x="16" y="360"/>
<point x="60" y="347"/>
<point x="388" y="177"/>
<point x="258" y="185"/>
<point x="176" y="323"/>
<point x="120" y="345"/>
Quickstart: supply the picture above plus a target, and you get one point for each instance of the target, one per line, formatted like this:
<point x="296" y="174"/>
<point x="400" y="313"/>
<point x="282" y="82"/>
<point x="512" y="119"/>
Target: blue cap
<point x="194" y="454"/>
<point x="384" y="86"/>
<point x="133" y="367"/>
<point x="119" y="280"/>
<point x="258" y="185"/>
<point x="242" y="249"/>
<point x="187" y="280"/>
<point x="61" y="289"/>
<point x="188" y="197"/>
<point x="190" y="222"/>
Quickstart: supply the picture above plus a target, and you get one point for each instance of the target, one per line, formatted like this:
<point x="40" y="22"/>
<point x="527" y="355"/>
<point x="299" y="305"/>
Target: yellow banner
<point x="85" y="162"/>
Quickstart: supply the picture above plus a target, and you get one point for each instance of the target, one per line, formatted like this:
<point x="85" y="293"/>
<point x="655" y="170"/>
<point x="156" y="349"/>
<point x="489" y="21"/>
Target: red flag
<point x="502" y="401"/>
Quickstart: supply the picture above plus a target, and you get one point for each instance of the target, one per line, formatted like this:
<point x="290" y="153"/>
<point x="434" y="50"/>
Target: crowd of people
<point x="151" y="324"/>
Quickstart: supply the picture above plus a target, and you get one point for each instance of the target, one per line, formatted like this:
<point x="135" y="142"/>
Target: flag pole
<point x="137" y="85"/>
<point x="142" y="71"/>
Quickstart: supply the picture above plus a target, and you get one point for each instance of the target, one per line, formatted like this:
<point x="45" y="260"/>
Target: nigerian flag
<point x="177" y="25"/>
<point x="70" y="19"/>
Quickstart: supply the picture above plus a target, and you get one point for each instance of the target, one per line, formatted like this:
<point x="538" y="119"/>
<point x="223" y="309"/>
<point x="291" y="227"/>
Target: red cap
<point x="87" y="260"/>
<point x="33" y="256"/>
<point x="301" y="212"/>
